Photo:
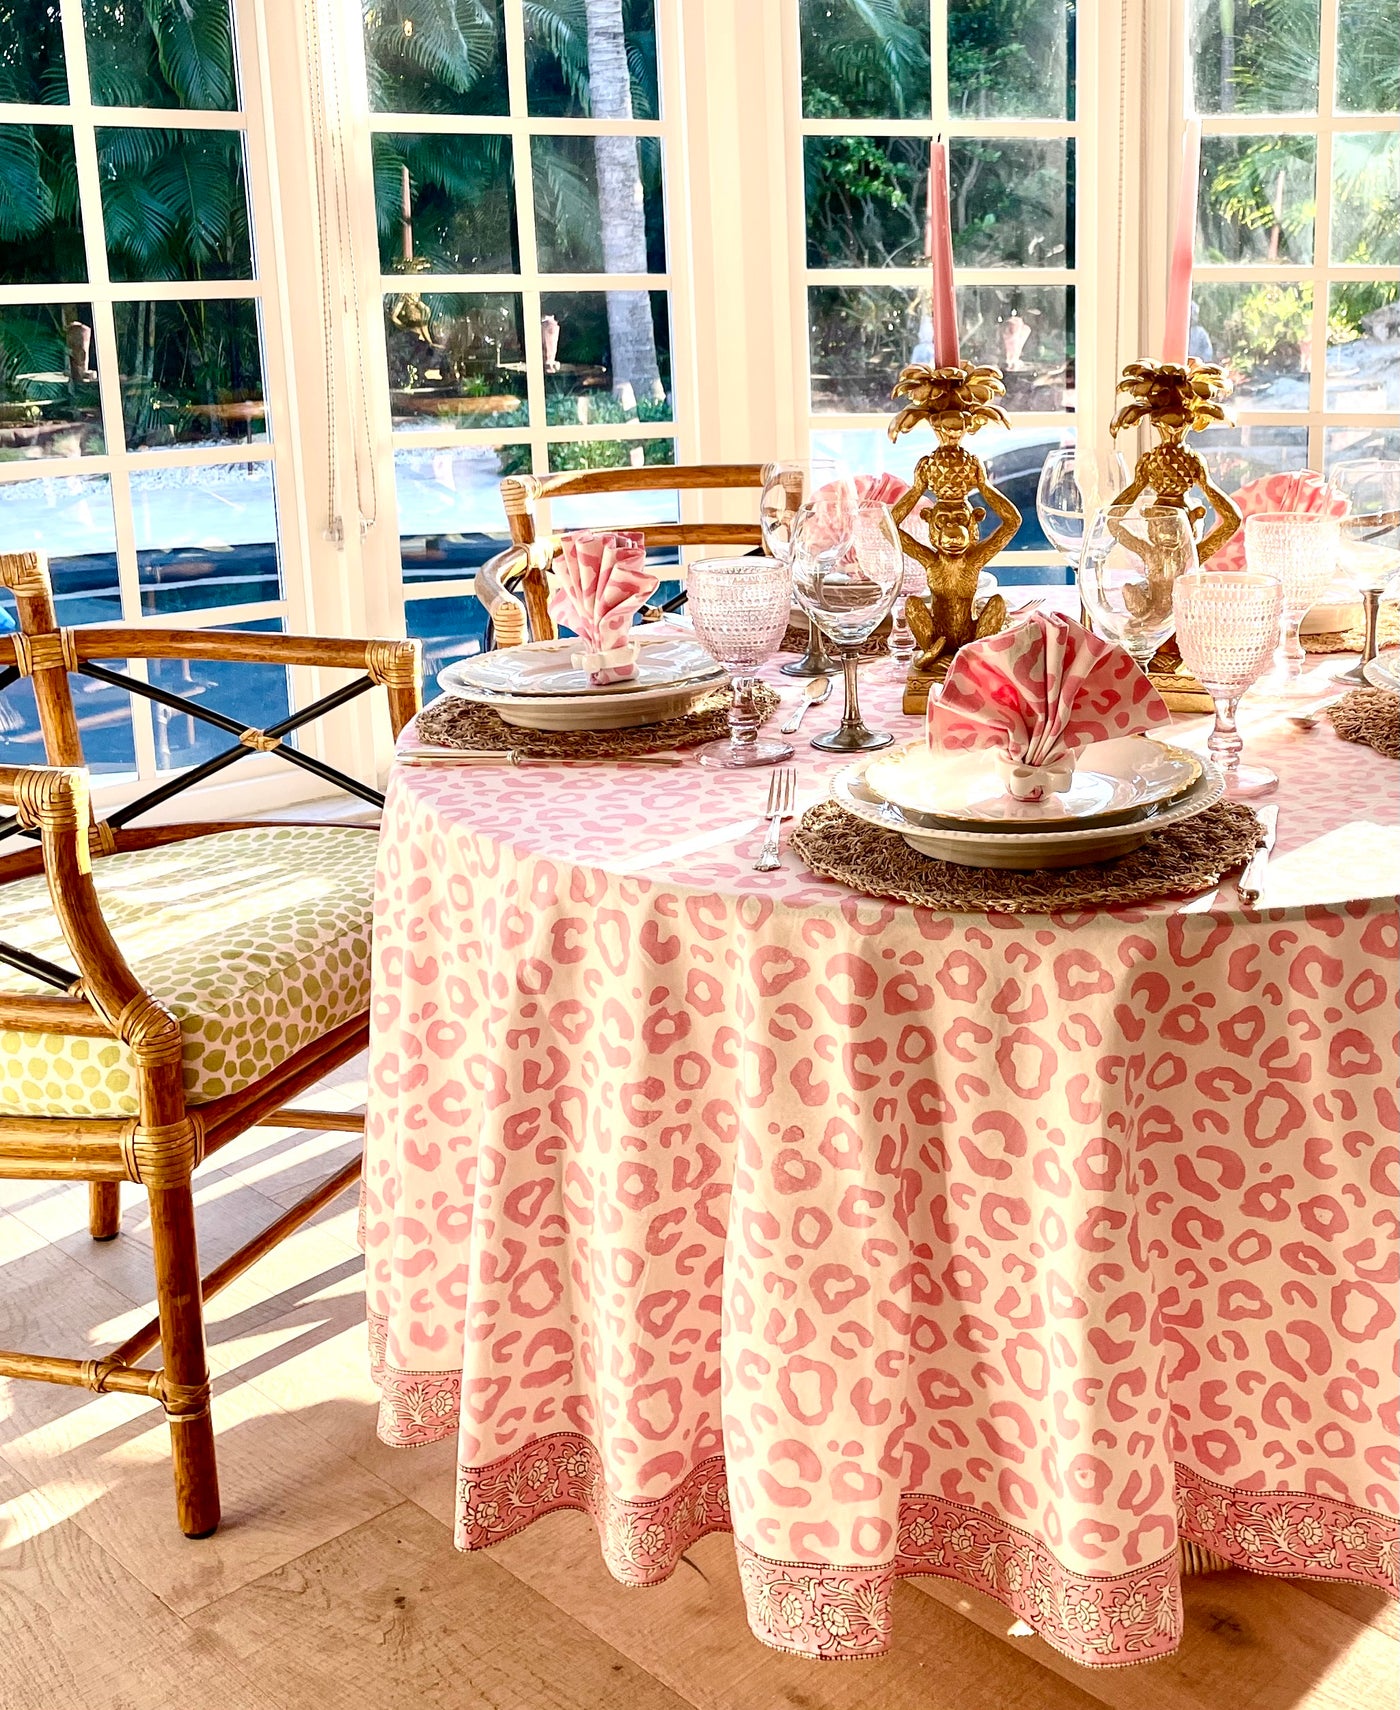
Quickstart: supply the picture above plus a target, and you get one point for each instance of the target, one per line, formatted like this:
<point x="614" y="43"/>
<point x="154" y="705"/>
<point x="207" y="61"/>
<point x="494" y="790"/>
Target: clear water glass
<point x="1075" y="483"/>
<point x="739" y="607"/>
<point x="1131" y="558"/>
<point x="1226" y="626"/>
<point x="847" y="598"/>
<point x="1301" y="549"/>
<point x="789" y="487"/>
<point x="1369" y="553"/>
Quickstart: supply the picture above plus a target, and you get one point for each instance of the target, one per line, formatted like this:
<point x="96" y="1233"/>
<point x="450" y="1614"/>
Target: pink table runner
<point x="1010" y="1249"/>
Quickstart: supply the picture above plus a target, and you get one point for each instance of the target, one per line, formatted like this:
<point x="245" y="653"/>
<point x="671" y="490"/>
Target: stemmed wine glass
<point x="1370" y="545"/>
<point x="788" y="488"/>
<point x="1074" y="483"/>
<point x="846" y="597"/>
<point x="1130" y="559"/>
<point x="739" y="607"/>
<point x="1300" y="549"/>
<point x="1226" y="627"/>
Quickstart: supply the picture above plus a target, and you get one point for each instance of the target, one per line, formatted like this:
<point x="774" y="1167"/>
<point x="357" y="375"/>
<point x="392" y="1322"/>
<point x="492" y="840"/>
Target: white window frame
<point x="1168" y="102"/>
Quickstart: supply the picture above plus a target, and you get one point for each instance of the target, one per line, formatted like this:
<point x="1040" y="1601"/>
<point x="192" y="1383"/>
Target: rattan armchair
<point x="513" y="586"/>
<point x="107" y="1070"/>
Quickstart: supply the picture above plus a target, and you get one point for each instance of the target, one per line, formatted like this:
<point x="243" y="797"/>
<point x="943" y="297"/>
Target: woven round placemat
<point x="468" y="724"/>
<point x="1179" y="861"/>
<point x="1371" y="716"/>
<point x="1354" y="639"/>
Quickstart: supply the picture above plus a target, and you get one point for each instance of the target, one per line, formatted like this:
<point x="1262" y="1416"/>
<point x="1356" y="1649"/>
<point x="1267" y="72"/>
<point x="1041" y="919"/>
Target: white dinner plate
<point x="598" y="711"/>
<point x="1114" y="781"/>
<point x="542" y="668"/>
<point x="1383" y="672"/>
<point x="1023" y="851"/>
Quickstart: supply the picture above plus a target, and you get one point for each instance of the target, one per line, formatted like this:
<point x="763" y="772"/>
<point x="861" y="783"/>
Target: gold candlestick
<point x="1177" y="401"/>
<point x="956" y="402"/>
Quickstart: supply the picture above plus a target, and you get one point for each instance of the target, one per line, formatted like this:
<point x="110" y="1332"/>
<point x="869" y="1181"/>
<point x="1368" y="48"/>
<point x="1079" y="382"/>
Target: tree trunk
<point x="620" y="209"/>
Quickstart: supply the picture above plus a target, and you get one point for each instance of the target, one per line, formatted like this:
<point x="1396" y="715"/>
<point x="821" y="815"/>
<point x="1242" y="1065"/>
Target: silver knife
<point x="1251" y="880"/>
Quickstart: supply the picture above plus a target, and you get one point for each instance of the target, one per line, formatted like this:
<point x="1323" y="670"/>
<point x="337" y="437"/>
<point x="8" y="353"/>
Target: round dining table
<point x="1014" y="1248"/>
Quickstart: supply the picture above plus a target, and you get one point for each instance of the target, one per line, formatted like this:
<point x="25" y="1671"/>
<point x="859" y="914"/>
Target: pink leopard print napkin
<point x="603" y="581"/>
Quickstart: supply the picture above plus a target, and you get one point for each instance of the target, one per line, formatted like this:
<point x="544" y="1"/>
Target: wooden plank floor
<point x="333" y="1582"/>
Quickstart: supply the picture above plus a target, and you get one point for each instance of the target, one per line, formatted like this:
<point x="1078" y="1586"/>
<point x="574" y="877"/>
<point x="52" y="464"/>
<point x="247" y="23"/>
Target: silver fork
<point x="782" y="794"/>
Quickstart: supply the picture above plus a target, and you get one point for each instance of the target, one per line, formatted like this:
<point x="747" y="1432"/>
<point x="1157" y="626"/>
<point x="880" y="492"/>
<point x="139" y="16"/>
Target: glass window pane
<point x="607" y="356"/>
<point x="867" y="201"/>
<point x="41" y="234"/>
<point x="859" y="337"/>
<point x="170" y="53"/>
<point x="1236" y="455"/>
<point x="1366" y="197"/>
<point x="1255" y="56"/>
<point x="612" y="510"/>
<point x="1011" y="61"/>
<point x="1027" y="332"/>
<point x="205" y="536"/>
<point x="191" y="372"/>
<point x="31" y="53"/>
<point x="445" y="204"/>
<point x="865" y="62"/>
<point x="450" y="626"/>
<point x="256" y="695"/>
<point x="49" y="404"/>
<point x="1361" y="445"/>
<point x="598" y="204"/>
<point x="1363" y="348"/>
<point x="1257" y="199"/>
<point x="455" y="361"/>
<point x="70" y="518"/>
<point x="1262" y="336"/>
<point x="1368" y="61"/>
<point x="1012" y="203"/>
<point x="449" y="503"/>
<point x="442" y="56"/>
<point x="568" y="76"/>
<point x="174" y="204"/>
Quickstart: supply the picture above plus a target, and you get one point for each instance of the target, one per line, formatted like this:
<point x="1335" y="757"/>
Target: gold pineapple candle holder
<point x="956" y="402"/>
<point x="1177" y="401"/>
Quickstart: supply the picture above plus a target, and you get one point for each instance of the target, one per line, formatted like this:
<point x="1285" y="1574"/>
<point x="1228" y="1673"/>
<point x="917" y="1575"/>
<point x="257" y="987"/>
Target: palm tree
<point x="620" y="206"/>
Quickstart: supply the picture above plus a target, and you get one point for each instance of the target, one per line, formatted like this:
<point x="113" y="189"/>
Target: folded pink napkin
<point x="1304" y="491"/>
<point x="602" y="582"/>
<point x="880" y="489"/>
<point x="1037" y="694"/>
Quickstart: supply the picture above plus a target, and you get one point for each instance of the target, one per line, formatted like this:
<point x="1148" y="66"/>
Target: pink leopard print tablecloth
<point x="1009" y="1249"/>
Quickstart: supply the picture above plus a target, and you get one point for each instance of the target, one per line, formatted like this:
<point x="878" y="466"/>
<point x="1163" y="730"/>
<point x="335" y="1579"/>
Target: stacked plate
<point x="1383" y="672"/>
<point x="538" y="687"/>
<point x="956" y="808"/>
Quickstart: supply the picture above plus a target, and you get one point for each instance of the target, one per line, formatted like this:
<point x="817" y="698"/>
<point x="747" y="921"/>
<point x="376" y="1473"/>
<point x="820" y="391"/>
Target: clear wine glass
<point x="1075" y="483"/>
<point x="739" y="607"/>
<point x="1226" y="627"/>
<point x="788" y="488"/>
<point x="1301" y="549"/>
<point x="1130" y="558"/>
<point x="846" y="597"/>
<point x="1369" y="554"/>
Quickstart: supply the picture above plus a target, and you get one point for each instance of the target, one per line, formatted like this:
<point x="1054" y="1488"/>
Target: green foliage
<point x="1256" y="56"/>
<point x="1368" y="56"/>
<point x="174" y="204"/>
<point x="1011" y="57"/>
<point x="160" y="53"/>
<point x="865" y="58"/>
<point x="31" y="52"/>
<point x="40" y="235"/>
<point x="435" y="56"/>
<point x="609" y="453"/>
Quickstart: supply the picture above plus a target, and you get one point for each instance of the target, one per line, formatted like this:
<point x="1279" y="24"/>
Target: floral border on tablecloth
<point x="843" y="1613"/>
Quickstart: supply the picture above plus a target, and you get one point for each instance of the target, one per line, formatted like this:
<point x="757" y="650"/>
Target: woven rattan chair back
<point x="513" y="586"/>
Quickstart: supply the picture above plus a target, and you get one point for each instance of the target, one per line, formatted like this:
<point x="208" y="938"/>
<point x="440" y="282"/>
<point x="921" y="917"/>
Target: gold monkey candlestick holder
<point x="956" y="402"/>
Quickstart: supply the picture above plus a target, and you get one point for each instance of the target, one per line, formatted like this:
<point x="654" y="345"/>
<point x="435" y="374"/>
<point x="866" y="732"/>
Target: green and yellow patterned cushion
<point x="257" y="940"/>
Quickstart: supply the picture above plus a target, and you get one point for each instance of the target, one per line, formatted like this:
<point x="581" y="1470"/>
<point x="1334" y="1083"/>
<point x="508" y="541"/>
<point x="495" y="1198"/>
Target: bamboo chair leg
<point x="186" y="1382"/>
<point x="104" y="1210"/>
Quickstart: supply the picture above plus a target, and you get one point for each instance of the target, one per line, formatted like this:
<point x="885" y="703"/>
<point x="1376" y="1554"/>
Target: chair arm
<point x="507" y="613"/>
<point x="397" y="665"/>
<point x="53" y="800"/>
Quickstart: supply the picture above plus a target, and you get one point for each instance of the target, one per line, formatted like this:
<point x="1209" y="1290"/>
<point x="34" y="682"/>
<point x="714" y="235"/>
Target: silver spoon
<point x="818" y="689"/>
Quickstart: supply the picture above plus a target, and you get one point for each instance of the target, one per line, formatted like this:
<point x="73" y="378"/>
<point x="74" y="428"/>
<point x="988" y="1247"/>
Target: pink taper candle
<point x="1178" y="329"/>
<point x="940" y="235"/>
